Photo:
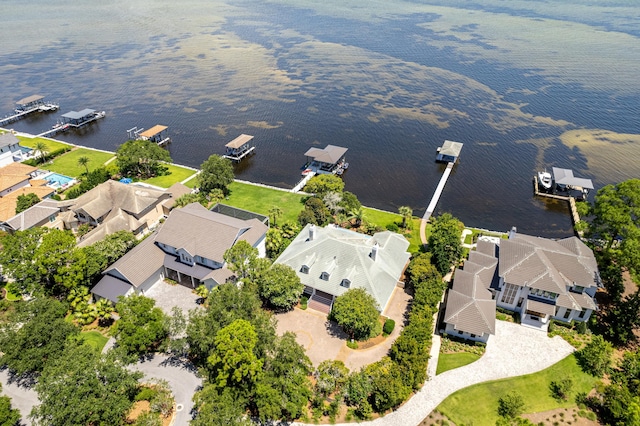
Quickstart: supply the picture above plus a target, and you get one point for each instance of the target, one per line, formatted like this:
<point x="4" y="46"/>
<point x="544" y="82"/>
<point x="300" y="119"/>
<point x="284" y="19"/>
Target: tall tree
<point x="41" y="337"/>
<point x="356" y="311"/>
<point x="41" y="150"/>
<point x="220" y="407"/>
<point x="240" y="257"/>
<point x="284" y="389"/>
<point x="83" y="387"/>
<point x="406" y="212"/>
<point x="275" y="212"/>
<point x="141" y="327"/>
<point x="84" y="162"/>
<point x="280" y="287"/>
<point x="444" y="242"/>
<point x="216" y="172"/>
<point x="595" y="357"/>
<point x="142" y="159"/>
<point x="25" y="201"/>
<point x="233" y="359"/>
<point x="58" y="261"/>
<point x="616" y="211"/>
<point x="17" y="258"/>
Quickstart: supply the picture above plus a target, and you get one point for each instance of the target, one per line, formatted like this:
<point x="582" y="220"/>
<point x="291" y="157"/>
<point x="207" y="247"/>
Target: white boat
<point x="544" y="179"/>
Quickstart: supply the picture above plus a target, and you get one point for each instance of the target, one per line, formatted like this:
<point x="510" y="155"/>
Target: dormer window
<point x="185" y="258"/>
<point x="304" y="269"/>
<point x="345" y="283"/>
<point x="325" y="276"/>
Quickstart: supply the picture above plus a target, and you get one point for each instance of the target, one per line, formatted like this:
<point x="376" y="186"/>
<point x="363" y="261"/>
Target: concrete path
<point x="182" y="379"/>
<point x="513" y="351"/>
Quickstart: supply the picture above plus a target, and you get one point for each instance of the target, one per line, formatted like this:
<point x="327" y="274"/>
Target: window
<point x="304" y="269"/>
<point x="460" y="331"/>
<point x="582" y="313"/>
<point x="473" y="335"/>
<point x="567" y="313"/>
<point x="345" y="283"/>
<point x="509" y="293"/>
<point x="186" y="258"/>
<point x="578" y="289"/>
<point x="324" y="276"/>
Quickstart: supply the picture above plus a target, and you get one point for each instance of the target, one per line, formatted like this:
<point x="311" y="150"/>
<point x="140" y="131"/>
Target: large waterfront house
<point x="331" y="260"/>
<point x="539" y="278"/>
<point x="115" y="206"/>
<point x="188" y="248"/>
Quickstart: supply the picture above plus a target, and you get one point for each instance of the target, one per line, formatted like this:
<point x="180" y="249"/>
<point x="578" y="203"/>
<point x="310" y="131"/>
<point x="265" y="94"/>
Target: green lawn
<point x="478" y="404"/>
<point x="67" y="164"/>
<point x="94" y="339"/>
<point x="448" y="362"/>
<point x="176" y="174"/>
<point x="469" y="237"/>
<point x="11" y="295"/>
<point x="259" y="199"/>
<point x="382" y="219"/>
<point x="51" y="145"/>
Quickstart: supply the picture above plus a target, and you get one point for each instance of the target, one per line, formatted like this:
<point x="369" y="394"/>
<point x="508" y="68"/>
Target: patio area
<point x="168" y="296"/>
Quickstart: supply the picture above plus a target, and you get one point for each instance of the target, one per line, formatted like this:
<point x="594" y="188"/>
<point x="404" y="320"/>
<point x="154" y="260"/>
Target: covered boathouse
<point x="80" y="118"/>
<point x="331" y="159"/>
<point x="449" y="152"/>
<point x="239" y="148"/>
<point x="157" y="134"/>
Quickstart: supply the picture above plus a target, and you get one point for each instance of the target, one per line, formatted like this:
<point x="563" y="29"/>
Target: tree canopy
<point x="142" y="327"/>
<point x="240" y="257"/>
<point x="82" y="387"/>
<point x="356" y="311"/>
<point x="321" y="184"/>
<point x="444" y="242"/>
<point x="280" y="287"/>
<point x="141" y="159"/>
<point x="42" y="336"/>
<point x="25" y="201"/>
<point x="8" y="416"/>
<point x="216" y="173"/>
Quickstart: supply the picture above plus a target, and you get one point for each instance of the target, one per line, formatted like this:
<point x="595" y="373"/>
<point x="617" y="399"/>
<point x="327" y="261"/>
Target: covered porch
<point x="536" y="314"/>
<point x="183" y="274"/>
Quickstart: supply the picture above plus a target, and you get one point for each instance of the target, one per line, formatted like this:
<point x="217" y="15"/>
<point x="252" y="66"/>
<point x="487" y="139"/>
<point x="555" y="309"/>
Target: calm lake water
<point x="389" y="80"/>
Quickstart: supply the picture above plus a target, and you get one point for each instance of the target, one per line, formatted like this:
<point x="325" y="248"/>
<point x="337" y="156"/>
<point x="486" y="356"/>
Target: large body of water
<point x="523" y="84"/>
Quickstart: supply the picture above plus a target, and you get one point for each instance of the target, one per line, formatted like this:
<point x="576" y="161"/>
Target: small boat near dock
<point x="544" y="180"/>
<point x="74" y="119"/>
<point x="28" y="105"/>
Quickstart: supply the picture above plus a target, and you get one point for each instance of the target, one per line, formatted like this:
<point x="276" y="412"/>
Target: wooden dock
<point x="303" y="182"/>
<point x="575" y="217"/>
<point x="434" y="202"/>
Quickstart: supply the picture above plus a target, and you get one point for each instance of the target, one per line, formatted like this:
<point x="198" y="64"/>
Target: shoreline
<point x="259" y="184"/>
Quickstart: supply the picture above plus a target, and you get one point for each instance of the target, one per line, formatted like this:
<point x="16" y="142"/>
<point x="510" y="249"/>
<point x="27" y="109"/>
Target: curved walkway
<point x="513" y="351"/>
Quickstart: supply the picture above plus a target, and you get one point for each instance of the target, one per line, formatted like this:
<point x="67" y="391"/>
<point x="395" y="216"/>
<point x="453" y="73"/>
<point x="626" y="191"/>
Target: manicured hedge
<point x="34" y="162"/>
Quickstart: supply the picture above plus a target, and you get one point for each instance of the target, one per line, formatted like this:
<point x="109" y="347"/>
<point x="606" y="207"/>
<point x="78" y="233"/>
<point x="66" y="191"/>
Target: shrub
<point x="595" y="357"/>
<point x="392" y="227"/>
<point x="34" y="162"/>
<point x="581" y="327"/>
<point x="510" y="405"/>
<point x="146" y="394"/>
<point x="560" y="389"/>
<point x="388" y="327"/>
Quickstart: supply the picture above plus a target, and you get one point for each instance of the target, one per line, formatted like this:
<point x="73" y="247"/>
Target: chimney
<point x="312" y="232"/>
<point x="512" y="233"/>
<point x="374" y="251"/>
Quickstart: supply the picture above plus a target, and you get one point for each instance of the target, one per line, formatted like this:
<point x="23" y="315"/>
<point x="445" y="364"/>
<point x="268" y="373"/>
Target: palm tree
<point x="275" y="212"/>
<point x="41" y="150"/>
<point x="406" y="212"/>
<point x="103" y="310"/>
<point x="358" y="215"/>
<point x="83" y="161"/>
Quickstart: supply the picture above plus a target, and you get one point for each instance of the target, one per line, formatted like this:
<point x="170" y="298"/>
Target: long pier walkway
<point x="434" y="202"/>
<point x="575" y="216"/>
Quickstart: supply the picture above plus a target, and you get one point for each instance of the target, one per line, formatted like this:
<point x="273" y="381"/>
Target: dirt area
<point x="142" y="407"/>
<point x="630" y="287"/>
<point x="557" y="417"/>
<point x="560" y="416"/>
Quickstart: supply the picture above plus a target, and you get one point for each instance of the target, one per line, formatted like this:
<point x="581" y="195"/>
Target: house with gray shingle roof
<point x="187" y="248"/>
<point x="539" y="278"/>
<point x="331" y="260"/>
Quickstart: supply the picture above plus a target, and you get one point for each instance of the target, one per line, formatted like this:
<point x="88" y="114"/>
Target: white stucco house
<point x="331" y="260"/>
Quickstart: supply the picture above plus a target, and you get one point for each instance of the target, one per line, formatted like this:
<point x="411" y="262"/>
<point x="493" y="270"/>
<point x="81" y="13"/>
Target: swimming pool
<point x="57" y="180"/>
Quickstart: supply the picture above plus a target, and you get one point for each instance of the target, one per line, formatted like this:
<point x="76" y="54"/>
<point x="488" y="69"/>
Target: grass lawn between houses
<point x="448" y="362"/>
<point x="51" y="145"/>
<point x="94" y="339"/>
<point x="259" y="199"/>
<point x="67" y="164"/>
<point x="534" y="389"/>
<point x="176" y="174"/>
